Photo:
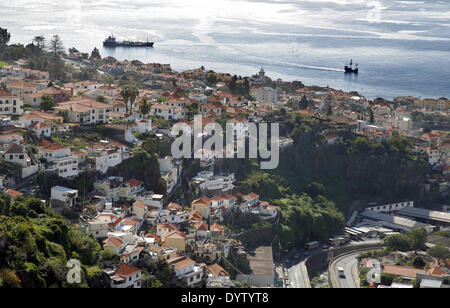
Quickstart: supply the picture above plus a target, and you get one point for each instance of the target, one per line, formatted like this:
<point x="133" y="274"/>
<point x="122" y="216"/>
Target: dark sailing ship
<point x="111" y="42"/>
<point x="349" y="68"/>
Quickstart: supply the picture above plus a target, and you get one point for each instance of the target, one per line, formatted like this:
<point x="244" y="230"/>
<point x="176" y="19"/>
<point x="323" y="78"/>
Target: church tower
<point x="262" y="75"/>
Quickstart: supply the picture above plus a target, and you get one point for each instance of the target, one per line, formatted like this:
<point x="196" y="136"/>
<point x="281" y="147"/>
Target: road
<point x="297" y="277"/>
<point x="348" y="263"/>
<point x="296" y="272"/>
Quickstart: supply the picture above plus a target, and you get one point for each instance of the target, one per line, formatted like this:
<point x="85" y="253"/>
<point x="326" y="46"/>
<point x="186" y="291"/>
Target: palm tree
<point x="144" y="107"/>
<point x="129" y="95"/>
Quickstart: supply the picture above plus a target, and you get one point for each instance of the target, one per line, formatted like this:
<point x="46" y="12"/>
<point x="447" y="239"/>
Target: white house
<point x="126" y="276"/>
<point x="65" y="167"/>
<point x="143" y="126"/>
<point x="10" y="104"/>
<point x="16" y="154"/>
<point x="186" y="270"/>
<point x="63" y="196"/>
<point x="139" y="209"/>
<point x="40" y="129"/>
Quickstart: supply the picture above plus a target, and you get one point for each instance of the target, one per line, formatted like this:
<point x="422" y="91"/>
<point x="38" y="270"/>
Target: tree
<point x="371" y="116"/>
<point x="328" y="109"/>
<point x="315" y="189"/>
<point x="398" y="242"/>
<point x="418" y="238"/>
<point x="144" y="107"/>
<point x="40" y="42"/>
<point x="95" y="55"/>
<point x="440" y="251"/>
<point x="47" y="103"/>
<point x="129" y="95"/>
<point x="101" y="99"/>
<point x="56" y="49"/>
<point x="5" y="36"/>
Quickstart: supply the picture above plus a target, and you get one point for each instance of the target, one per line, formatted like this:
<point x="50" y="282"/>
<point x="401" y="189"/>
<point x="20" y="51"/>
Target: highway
<point x="349" y="264"/>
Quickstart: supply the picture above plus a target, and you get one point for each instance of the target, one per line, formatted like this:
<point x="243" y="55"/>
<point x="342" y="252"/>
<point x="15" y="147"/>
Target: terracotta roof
<point x="155" y="236"/>
<point x="216" y="227"/>
<point x="202" y="201"/>
<point x="180" y="262"/>
<point x="124" y="270"/>
<point x="437" y="271"/>
<point x="201" y="226"/>
<point x="217" y="270"/>
<point x="14" y="148"/>
<point x="39" y="125"/>
<point x="174" y="234"/>
<point x="194" y="215"/>
<point x="112" y="242"/>
<point x="54" y="147"/>
<point x="140" y="204"/>
<point x="134" y="183"/>
<point x="13" y="193"/>
<point x="4" y="93"/>
<point x="402" y="271"/>
<point x="174" y="206"/>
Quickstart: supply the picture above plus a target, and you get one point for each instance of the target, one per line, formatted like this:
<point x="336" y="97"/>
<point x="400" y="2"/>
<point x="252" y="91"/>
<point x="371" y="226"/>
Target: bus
<point x="312" y="245"/>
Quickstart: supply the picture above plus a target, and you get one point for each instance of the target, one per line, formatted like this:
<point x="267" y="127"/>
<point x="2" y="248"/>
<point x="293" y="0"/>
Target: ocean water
<point x="402" y="47"/>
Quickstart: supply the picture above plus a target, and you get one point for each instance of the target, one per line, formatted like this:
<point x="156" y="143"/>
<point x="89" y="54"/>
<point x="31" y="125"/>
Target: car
<point x="341" y="272"/>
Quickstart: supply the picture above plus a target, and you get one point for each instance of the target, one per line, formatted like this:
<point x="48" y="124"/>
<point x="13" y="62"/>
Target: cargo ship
<point x="349" y="68"/>
<point x="111" y="42"/>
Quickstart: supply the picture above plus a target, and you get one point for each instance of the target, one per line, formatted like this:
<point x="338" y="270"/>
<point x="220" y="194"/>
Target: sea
<point x="402" y="47"/>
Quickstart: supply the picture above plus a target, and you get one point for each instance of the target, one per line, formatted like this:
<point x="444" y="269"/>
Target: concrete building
<point x="436" y="218"/>
<point x="63" y="197"/>
<point x="126" y="276"/>
<point x="265" y="95"/>
<point x="85" y="111"/>
<point x="10" y="104"/>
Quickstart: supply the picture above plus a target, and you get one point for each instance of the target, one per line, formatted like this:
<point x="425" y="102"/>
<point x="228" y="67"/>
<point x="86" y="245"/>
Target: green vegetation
<point x="355" y="170"/>
<point x="413" y="240"/>
<point x="305" y="218"/>
<point x="35" y="245"/>
<point x="440" y="252"/>
<point x="47" y="103"/>
<point x="143" y="166"/>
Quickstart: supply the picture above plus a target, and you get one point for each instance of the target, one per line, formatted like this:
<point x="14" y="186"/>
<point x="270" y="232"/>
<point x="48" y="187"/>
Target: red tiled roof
<point x="140" y="204"/>
<point x="134" y="183"/>
<point x="14" y="148"/>
<point x="180" y="262"/>
<point x="125" y="270"/>
<point x="202" y="201"/>
<point x="112" y="242"/>
<point x="174" y="206"/>
<point x="217" y="270"/>
<point x="13" y="193"/>
<point x="39" y="125"/>
<point x="201" y="226"/>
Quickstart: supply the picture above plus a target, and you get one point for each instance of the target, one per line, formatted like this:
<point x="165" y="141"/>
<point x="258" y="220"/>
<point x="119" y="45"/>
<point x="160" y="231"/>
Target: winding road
<point x="350" y="264"/>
